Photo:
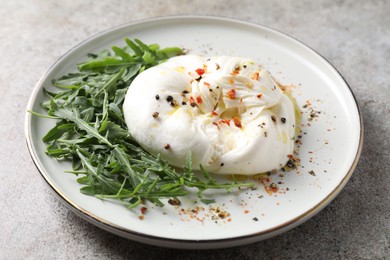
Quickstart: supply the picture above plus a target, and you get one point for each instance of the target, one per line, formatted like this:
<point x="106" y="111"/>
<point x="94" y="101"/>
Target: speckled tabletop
<point x="353" y="35"/>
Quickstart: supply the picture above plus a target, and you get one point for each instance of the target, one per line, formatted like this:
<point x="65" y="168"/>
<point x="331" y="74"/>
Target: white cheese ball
<point x="227" y="111"/>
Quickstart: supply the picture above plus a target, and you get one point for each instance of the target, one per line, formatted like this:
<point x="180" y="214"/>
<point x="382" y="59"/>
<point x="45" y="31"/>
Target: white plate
<point x="331" y="145"/>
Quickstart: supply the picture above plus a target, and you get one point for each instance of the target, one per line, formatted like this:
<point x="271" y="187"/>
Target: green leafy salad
<point x="90" y="131"/>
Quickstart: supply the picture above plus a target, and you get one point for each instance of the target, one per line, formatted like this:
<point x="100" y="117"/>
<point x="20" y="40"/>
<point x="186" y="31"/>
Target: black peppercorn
<point x="169" y="98"/>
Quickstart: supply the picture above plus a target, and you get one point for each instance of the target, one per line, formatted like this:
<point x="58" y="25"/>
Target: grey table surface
<point x="353" y="35"/>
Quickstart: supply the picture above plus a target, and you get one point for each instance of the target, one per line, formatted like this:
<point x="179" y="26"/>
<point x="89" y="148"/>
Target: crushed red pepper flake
<point x="237" y="122"/>
<point x="255" y="76"/>
<point x="144" y="210"/>
<point x="232" y="93"/>
<point x="200" y="71"/>
<point x="235" y="72"/>
<point x="199" y="99"/>
<point x="225" y="121"/>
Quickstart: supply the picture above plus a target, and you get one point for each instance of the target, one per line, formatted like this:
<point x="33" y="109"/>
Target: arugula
<point x="91" y="132"/>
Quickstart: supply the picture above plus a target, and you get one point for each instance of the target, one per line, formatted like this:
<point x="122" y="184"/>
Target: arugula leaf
<point x="67" y="114"/>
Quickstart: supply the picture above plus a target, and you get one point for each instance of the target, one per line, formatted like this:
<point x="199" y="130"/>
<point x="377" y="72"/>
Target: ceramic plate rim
<point x="184" y="243"/>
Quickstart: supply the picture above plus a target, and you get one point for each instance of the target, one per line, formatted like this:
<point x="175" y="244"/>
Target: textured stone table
<point x="352" y="35"/>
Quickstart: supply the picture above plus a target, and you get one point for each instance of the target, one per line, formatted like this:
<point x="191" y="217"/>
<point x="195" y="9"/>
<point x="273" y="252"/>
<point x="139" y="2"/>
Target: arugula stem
<point x="42" y="115"/>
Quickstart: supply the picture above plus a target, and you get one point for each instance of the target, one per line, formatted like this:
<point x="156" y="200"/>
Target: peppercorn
<point x="156" y="114"/>
<point x="174" y="202"/>
<point x="290" y="164"/>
